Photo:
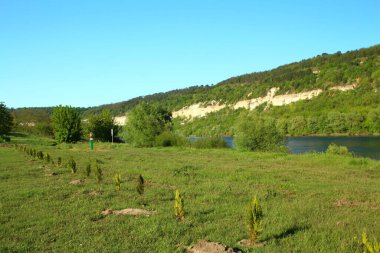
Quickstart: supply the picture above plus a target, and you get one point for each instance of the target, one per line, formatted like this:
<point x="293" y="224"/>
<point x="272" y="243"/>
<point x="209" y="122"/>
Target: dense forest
<point x="350" y="112"/>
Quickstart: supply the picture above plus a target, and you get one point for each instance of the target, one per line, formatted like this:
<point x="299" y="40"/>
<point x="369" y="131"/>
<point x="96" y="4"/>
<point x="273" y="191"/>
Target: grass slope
<point x="43" y="213"/>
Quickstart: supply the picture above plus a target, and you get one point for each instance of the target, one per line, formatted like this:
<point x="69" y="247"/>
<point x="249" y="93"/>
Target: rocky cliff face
<point x="202" y="109"/>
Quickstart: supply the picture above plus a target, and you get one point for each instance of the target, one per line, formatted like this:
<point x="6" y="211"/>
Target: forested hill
<point x="321" y="72"/>
<point x="358" y="67"/>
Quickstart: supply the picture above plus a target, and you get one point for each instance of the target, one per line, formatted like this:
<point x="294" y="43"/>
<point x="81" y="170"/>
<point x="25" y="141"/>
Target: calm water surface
<point x="365" y="146"/>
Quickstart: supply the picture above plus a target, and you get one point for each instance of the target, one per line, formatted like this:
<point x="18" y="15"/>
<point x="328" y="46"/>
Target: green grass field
<point x="311" y="203"/>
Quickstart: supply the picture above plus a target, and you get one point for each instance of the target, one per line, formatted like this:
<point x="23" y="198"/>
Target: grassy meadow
<point x="311" y="203"/>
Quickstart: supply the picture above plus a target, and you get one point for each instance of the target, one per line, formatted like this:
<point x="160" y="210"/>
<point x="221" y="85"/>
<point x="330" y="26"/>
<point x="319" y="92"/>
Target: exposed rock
<point x="198" y="110"/>
<point x="204" y="246"/>
<point x="120" y="120"/>
<point x="202" y="109"/>
<point x="344" y="87"/>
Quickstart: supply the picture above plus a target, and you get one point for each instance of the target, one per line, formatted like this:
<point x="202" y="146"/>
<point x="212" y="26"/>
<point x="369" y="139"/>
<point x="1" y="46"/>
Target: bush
<point x="100" y="125"/>
<point x="334" y="149"/>
<point x="210" y="142"/>
<point x="168" y="139"/>
<point x="258" y="133"/>
<point x="145" y="123"/>
<point x="4" y="138"/>
<point x="66" y="124"/>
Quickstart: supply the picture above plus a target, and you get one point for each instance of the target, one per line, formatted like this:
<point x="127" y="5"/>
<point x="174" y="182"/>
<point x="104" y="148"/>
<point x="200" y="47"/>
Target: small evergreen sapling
<point x="98" y="173"/>
<point x="254" y="217"/>
<point x="88" y="170"/>
<point x="72" y="165"/>
<point x="179" y="206"/>
<point x="117" y="181"/>
<point x="140" y="185"/>
<point x="369" y="247"/>
<point x="47" y="157"/>
<point x="40" y="155"/>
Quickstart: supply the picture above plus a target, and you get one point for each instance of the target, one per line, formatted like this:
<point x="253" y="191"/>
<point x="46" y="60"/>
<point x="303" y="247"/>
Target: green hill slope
<point x="355" y="111"/>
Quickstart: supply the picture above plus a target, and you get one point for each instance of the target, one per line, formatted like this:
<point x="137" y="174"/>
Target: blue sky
<point x="89" y="52"/>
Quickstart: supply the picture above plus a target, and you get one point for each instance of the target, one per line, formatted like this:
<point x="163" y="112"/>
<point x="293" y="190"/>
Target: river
<point x="364" y="146"/>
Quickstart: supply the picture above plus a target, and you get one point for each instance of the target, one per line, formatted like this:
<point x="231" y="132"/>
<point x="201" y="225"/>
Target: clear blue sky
<point x="89" y="52"/>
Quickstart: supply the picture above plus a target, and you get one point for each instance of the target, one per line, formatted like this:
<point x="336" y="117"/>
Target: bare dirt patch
<point x="94" y="193"/>
<point x="204" y="246"/>
<point x="77" y="181"/>
<point x="348" y="203"/>
<point x="128" y="211"/>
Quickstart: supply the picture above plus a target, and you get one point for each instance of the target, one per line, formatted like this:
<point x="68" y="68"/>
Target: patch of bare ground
<point x="204" y="246"/>
<point x="348" y="203"/>
<point x="155" y="184"/>
<point x="128" y="211"/>
<point x="77" y="181"/>
<point x="94" y="193"/>
<point x="7" y="145"/>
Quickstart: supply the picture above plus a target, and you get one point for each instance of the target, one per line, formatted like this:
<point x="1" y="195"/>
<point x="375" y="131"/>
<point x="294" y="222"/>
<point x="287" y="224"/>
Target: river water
<point x="364" y="146"/>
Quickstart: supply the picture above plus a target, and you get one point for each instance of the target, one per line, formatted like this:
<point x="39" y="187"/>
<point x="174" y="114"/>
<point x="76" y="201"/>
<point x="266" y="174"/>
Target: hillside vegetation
<point x="334" y="111"/>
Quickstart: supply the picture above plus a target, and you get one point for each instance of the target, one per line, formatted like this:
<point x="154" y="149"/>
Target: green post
<point x="91" y="142"/>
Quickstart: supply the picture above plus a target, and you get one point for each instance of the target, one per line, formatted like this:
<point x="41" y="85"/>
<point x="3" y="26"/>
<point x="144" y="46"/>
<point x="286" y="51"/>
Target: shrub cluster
<point x="334" y="149"/>
<point x="210" y="142"/>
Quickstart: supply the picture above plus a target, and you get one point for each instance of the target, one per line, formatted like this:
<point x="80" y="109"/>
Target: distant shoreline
<point x="309" y="135"/>
<point x="337" y="135"/>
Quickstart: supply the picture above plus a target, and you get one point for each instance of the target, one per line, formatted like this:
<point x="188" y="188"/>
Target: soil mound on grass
<point x="77" y="181"/>
<point x="345" y="202"/>
<point x="204" y="246"/>
<point x="128" y="211"/>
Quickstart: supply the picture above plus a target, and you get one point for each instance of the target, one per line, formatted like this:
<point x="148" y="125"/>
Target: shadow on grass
<point x="238" y="250"/>
<point x="288" y="232"/>
<point x="17" y="134"/>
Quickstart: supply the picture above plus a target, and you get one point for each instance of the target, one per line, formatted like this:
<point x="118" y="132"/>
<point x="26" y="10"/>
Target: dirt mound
<point x="204" y="246"/>
<point x="345" y="202"/>
<point x="128" y="211"/>
<point x="77" y="181"/>
<point x="94" y="193"/>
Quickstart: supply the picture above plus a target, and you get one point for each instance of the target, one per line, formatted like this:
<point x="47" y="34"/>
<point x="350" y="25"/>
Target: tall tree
<point x="6" y="120"/>
<point x="145" y="123"/>
<point x="66" y="124"/>
<point x="101" y="124"/>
